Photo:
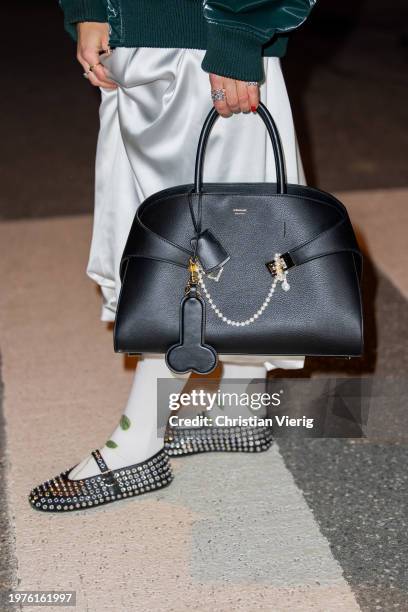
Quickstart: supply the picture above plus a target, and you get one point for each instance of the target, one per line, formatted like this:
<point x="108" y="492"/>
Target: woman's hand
<point x="239" y="97"/>
<point x="93" y="37"/>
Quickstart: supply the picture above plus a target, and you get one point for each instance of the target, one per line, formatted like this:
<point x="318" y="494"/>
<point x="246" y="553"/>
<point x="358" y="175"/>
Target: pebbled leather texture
<point x="321" y="314"/>
<point x="191" y="354"/>
<point x="261" y="18"/>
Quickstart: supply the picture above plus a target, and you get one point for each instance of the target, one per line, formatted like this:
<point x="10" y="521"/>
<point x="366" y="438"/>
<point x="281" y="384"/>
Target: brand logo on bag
<point x="240" y="211"/>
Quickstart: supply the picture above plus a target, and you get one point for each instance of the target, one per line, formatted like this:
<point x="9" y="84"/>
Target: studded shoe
<point x="63" y="494"/>
<point x="188" y="441"/>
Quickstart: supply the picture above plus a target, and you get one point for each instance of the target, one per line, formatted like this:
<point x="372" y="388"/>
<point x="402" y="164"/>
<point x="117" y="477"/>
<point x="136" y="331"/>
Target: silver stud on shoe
<point x="109" y="486"/>
<point x="182" y="441"/>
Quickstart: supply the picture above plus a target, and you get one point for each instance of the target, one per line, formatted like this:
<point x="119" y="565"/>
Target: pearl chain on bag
<point x="280" y="277"/>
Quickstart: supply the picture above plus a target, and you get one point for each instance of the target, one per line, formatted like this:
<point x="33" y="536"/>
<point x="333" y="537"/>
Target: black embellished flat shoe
<point x="63" y="494"/>
<point x="188" y="441"/>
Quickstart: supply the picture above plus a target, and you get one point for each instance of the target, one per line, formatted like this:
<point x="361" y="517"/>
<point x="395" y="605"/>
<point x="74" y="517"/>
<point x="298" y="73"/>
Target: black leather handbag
<point x="239" y="268"/>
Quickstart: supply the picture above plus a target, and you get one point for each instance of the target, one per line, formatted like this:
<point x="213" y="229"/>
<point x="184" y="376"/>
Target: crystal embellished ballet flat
<point x="188" y="441"/>
<point x="63" y="494"/>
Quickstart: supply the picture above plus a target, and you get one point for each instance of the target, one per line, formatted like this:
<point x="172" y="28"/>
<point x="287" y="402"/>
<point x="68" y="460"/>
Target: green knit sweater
<point x="234" y="33"/>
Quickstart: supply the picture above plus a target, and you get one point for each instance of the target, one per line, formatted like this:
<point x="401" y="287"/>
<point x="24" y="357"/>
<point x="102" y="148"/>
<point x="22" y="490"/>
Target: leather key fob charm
<point x="191" y="354"/>
<point x="209" y="251"/>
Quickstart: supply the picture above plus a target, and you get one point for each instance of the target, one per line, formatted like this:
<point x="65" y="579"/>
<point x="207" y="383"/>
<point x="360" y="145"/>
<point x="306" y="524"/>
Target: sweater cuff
<point x="233" y="53"/>
<point x="76" y="11"/>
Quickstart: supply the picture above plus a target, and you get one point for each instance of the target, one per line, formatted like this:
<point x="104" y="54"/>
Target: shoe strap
<point x="100" y="460"/>
<point x="107" y="473"/>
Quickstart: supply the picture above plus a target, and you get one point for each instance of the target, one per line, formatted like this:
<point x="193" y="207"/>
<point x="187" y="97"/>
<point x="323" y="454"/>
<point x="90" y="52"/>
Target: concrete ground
<point x="310" y="525"/>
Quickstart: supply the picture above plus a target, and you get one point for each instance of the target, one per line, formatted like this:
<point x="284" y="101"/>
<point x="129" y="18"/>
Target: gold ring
<point x="92" y="66"/>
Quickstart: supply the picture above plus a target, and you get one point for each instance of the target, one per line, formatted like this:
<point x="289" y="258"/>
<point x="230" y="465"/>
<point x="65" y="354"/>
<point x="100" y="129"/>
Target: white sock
<point x="136" y="437"/>
<point x="229" y="383"/>
<point x="230" y="376"/>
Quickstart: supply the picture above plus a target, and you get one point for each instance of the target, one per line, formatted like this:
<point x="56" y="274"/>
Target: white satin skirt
<point x="149" y="129"/>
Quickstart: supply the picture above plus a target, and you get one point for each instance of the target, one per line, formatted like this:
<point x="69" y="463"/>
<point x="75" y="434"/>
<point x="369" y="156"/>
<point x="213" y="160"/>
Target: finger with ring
<point x="92" y="66"/>
<point x="217" y="94"/>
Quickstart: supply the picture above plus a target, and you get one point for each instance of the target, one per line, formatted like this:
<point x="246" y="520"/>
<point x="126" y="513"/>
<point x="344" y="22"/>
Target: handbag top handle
<point x="273" y="134"/>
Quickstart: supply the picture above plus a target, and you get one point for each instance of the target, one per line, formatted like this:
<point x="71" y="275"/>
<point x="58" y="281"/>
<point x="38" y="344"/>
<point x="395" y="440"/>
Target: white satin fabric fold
<point x="149" y="129"/>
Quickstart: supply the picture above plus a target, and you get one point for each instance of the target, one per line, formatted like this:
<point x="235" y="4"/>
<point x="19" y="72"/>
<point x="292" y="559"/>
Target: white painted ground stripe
<point x="64" y="389"/>
<point x="256" y="525"/>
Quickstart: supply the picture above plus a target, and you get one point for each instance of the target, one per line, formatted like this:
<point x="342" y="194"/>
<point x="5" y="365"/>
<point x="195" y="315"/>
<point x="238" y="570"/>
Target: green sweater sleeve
<point x="238" y="29"/>
<point x="82" y="10"/>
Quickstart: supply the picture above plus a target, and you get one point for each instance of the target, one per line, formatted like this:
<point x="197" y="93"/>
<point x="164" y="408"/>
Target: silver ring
<point x="218" y="94"/>
<point x="252" y="83"/>
<point x="86" y="75"/>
